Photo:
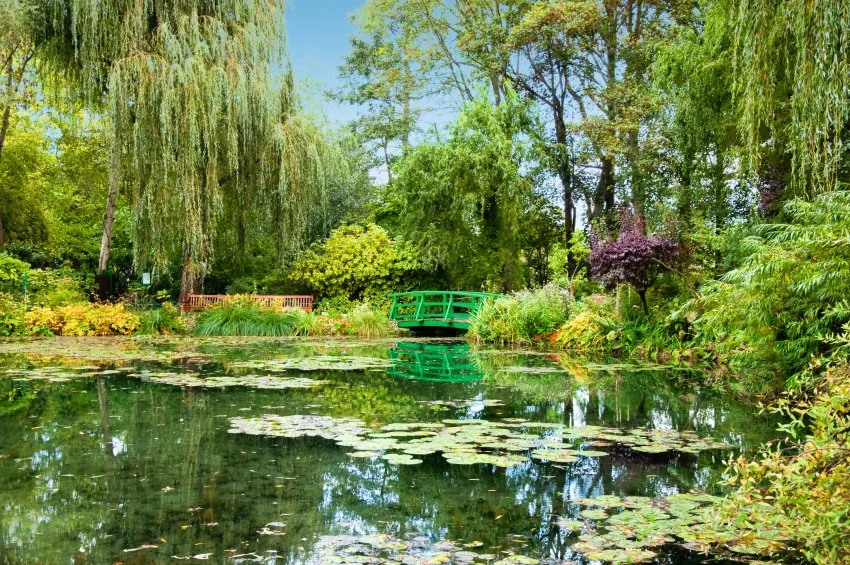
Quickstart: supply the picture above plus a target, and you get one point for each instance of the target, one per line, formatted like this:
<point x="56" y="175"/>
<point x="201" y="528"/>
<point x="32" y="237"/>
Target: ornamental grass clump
<point x="164" y="320"/>
<point x="241" y="316"/>
<point x="521" y="318"/>
<point x="367" y="321"/>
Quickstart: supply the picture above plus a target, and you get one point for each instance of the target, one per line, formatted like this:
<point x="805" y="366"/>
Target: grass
<point x="245" y="318"/>
<point x="163" y="320"/>
<point x="521" y="318"/>
<point x="368" y="322"/>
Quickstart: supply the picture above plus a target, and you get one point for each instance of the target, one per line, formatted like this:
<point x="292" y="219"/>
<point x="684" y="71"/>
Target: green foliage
<point x="12" y="272"/>
<point x="26" y="172"/>
<point x="12" y="316"/>
<point x="792" y="62"/>
<point x="521" y="318"/>
<point x="775" y="309"/>
<point x="55" y="287"/>
<point x="306" y="323"/>
<point x="591" y="328"/>
<point x="241" y="316"/>
<point x="461" y="200"/>
<point x="367" y="321"/>
<point x="802" y="489"/>
<point x="575" y="279"/>
<point x="163" y="320"/>
<point x="356" y="263"/>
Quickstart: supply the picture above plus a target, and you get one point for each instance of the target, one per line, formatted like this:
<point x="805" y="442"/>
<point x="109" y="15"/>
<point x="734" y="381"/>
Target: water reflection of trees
<point x="152" y="463"/>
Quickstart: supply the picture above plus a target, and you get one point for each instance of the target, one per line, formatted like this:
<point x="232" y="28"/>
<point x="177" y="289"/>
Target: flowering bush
<point x="82" y="319"/>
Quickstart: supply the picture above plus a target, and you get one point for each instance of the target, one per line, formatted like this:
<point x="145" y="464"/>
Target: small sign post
<point x="146" y="279"/>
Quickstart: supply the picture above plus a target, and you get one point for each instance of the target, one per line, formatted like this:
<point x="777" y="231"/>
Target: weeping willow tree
<point x="794" y="56"/>
<point x="202" y="115"/>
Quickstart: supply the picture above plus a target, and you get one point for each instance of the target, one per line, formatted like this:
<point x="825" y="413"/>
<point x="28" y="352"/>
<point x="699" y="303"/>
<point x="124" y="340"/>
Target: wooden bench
<point x="197" y="302"/>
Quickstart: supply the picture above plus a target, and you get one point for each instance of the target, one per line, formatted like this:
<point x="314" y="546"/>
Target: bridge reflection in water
<point x="434" y="362"/>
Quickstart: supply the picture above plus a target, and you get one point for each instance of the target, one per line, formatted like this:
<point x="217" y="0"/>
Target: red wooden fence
<point x="204" y="301"/>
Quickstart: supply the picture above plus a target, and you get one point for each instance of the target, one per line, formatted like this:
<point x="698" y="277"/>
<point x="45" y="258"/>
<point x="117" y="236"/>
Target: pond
<point x="302" y="451"/>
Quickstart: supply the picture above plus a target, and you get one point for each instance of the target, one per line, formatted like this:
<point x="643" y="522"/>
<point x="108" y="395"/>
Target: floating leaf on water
<point x="557" y="456"/>
<point x="401" y="459"/>
<point x="251" y="381"/>
<point x="657" y="448"/>
<point x="622" y="555"/>
<point x="594" y="514"/>
<point x="365" y="454"/>
<point x="569" y="524"/>
<point x="318" y="363"/>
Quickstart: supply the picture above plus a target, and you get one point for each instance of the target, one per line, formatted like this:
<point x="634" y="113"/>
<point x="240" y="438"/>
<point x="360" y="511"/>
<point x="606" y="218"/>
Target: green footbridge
<point x="436" y="308"/>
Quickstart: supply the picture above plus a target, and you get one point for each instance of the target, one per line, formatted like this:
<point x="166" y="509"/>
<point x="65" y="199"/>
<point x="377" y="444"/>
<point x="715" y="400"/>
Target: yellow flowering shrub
<point x="82" y="319"/>
<point x="583" y="332"/>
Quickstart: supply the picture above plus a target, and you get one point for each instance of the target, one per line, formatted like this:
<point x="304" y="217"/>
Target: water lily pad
<point x="594" y="514"/>
<point x="622" y="555"/>
<point x="569" y="524"/>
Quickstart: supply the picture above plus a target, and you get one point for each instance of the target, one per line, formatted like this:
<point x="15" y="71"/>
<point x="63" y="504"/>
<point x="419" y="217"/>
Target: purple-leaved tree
<point x="633" y="258"/>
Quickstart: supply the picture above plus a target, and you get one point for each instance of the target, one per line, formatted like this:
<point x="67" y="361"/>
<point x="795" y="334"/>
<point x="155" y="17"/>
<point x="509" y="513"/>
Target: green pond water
<point x="228" y="451"/>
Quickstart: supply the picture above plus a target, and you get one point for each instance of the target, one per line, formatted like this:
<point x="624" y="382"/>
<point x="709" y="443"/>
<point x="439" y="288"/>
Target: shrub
<point x="772" y="312"/>
<point x="241" y="316"/>
<point x="55" y="287"/>
<point x="583" y="332"/>
<point x="11" y="274"/>
<point x="163" y="320"/>
<point x="82" y="319"/>
<point x="591" y="328"/>
<point x="355" y="263"/>
<point x="634" y="258"/>
<point x="803" y="490"/>
<point x="367" y="321"/>
<point x="12" y="316"/>
<point x="523" y="317"/>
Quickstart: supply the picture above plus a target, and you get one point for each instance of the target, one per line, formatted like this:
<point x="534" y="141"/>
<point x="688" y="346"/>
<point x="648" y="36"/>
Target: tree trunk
<point x="638" y="190"/>
<point x="7" y="114"/>
<point x="109" y="216"/>
<point x="192" y="280"/>
<point x="642" y="294"/>
<point x="603" y="196"/>
<point x="684" y="200"/>
<point x="565" y="173"/>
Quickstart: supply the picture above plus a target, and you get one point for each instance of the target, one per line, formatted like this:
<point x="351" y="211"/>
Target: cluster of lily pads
<point x="61" y="374"/>
<point x="382" y="549"/>
<point x="502" y="443"/>
<point x="625" y="530"/>
<point x="254" y="381"/>
<point x="318" y="363"/>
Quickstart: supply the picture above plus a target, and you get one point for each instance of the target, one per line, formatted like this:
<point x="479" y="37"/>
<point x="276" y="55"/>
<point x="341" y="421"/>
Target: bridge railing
<point x="447" y="306"/>
<point x="204" y="301"/>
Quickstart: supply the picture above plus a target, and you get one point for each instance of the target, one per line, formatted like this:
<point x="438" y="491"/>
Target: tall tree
<point x="190" y="92"/>
<point x="461" y="200"/>
<point x="792" y="77"/>
<point x="388" y="71"/>
<point x="16" y="53"/>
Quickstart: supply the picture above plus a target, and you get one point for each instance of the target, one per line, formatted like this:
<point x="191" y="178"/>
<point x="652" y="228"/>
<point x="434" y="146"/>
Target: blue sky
<point x="318" y="41"/>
